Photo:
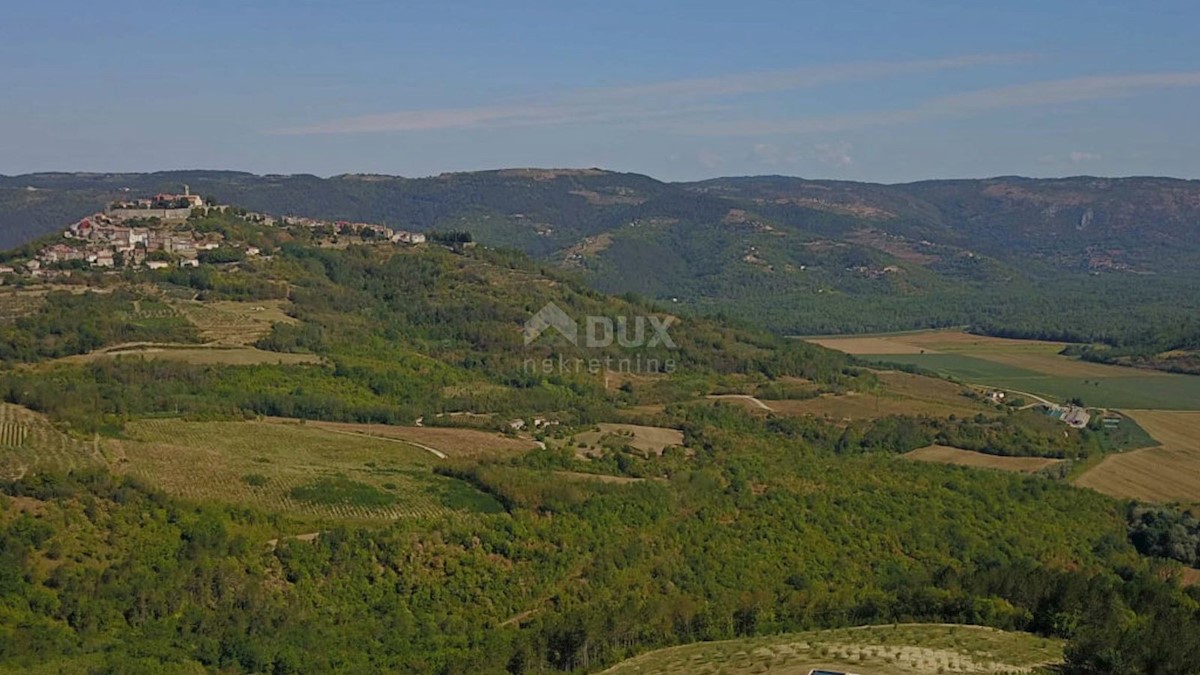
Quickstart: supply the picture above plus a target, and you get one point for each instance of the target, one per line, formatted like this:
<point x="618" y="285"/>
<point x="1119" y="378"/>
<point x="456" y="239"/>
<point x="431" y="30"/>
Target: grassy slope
<point x="914" y="649"/>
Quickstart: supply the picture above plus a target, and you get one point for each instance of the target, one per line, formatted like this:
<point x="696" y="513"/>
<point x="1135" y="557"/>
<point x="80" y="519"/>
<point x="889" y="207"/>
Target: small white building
<point x="410" y="238"/>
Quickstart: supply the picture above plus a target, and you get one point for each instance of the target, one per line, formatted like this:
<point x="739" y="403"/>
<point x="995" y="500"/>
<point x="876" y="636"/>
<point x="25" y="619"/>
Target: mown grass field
<point x="293" y="468"/>
<point x="1027" y="365"/>
<point x="942" y="454"/>
<point x="915" y="649"/>
<point x="198" y="354"/>
<point x="1167" y="473"/>
<point x="898" y="393"/>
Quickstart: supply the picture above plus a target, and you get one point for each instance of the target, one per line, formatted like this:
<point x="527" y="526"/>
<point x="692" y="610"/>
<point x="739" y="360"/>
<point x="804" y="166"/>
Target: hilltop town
<point x="159" y="233"/>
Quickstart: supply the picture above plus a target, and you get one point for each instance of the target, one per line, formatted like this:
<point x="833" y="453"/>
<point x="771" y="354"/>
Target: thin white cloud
<point x="675" y="98"/>
<point x="1074" y="157"/>
<point x="834" y="154"/>
<point x="709" y="159"/>
<point x="983" y="100"/>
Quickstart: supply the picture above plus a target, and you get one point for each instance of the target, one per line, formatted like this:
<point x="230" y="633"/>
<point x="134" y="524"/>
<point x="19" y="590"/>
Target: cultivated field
<point x="295" y="467"/>
<point x="1167" y="473"/>
<point x="28" y="442"/>
<point x="912" y="649"/>
<point x="18" y="303"/>
<point x="1027" y="366"/>
<point x="868" y="345"/>
<point x="933" y="342"/>
<point x="899" y="393"/>
<point x="450" y="442"/>
<point x="649" y="440"/>
<point x="228" y="322"/>
<point x="943" y="454"/>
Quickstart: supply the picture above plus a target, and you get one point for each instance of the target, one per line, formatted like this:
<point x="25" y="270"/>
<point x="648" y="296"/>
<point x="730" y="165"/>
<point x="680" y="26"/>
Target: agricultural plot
<point x="228" y="322"/>
<point x="932" y="342"/>
<point x="18" y="303"/>
<point x="29" y="443"/>
<point x="451" y="442"/>
<point x="906" y="649"/>
<point x="1167" y="473"/>
<point x="1032" y="366"/>
<point x="898" y="393"/>
<point x="868" y="345"/>
<point x="942" y="454"/>
<point x="293" y="468"/>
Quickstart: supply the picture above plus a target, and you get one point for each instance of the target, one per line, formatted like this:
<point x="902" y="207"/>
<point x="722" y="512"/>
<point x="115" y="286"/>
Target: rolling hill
<point x="1034" y="257"/>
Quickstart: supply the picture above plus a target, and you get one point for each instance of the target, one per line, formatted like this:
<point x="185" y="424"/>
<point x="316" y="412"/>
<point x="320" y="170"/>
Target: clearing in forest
<point x="898" y="393"/>
<point x="296" y="468"/>
<point x="1167" y="473"/>
<point x="904" y="649"/>
<point x="648" y="440"/>
<point x="197" y="354"/>
<point x="944" y="454"/>
<point x="229" y="322"/>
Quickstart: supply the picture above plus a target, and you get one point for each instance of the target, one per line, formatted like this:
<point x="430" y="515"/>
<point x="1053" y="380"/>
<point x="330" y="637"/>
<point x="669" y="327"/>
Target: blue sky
<point x="883" y="91"/>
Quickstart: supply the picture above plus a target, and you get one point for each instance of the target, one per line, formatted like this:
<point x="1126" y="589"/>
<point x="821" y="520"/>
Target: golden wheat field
<point x="1167" y="473"/>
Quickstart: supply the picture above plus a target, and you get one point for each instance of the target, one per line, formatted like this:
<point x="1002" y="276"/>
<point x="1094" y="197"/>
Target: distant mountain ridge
<point x="795" y="254"/>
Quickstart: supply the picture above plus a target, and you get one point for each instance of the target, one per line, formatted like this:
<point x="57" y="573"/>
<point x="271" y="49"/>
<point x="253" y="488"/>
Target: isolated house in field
<point x="1077" y="417"/>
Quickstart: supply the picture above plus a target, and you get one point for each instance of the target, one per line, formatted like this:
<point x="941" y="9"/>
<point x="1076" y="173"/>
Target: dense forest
<point x="108" y="575"/>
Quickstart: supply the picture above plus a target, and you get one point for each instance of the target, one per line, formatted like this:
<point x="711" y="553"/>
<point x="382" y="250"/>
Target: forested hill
<point x="1047" y="257"/>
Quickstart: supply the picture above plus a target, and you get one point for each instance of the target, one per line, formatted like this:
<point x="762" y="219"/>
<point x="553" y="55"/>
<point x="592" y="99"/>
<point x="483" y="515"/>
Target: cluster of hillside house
<point x="1072" y="415"/>
<point x="153" y="233"/>
<point x="187" y="200"/>
<point x="100" y="240"/>
<point x="362" y="230"/>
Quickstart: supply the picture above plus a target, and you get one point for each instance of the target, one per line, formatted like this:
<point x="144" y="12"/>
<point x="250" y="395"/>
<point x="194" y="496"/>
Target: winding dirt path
<point x="744" y="397"/>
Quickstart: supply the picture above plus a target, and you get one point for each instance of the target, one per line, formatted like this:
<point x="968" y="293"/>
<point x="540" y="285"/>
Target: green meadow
<point x="1161" y="391"/>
